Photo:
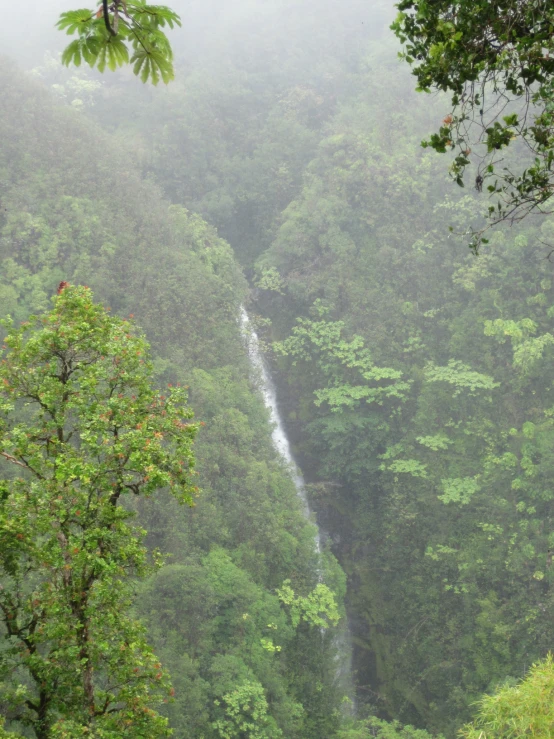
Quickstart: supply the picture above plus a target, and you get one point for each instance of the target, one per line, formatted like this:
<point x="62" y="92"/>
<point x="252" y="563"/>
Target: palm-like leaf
<point x="139" y="26"/>
<point x="159" y="15"/>
<point x="112" y="54"/>
<point x="75" y="21"/>
<point x="152" y="64"/>
<point x="85" y="47"/>
<point x="152" y="39"/>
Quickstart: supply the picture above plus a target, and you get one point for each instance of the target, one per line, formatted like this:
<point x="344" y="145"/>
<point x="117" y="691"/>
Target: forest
<point x="164" y="569"/>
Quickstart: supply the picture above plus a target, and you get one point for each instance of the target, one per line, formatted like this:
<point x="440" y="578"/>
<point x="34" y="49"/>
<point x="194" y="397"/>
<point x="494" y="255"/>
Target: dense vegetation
<point x="214" y="615"/>
<point x="416" y="379"/>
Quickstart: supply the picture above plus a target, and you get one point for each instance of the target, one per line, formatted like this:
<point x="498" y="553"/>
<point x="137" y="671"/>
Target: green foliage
<point x="494" y="59"/>
<point x="439" y="501"/>
<point x="525" y="709"/>
<point x="338" y="358"/>
<point x="379" y="729"/>
<point x="528" y="349"/>
<point x="81" y="426"/>
<point x="170" y="269"/>
<point x="245" y="715"/>
<point x="7" y="734"/>
<point x="461" y="377"/>
<point x="270" y="280"/>
<point x="459" y="490"/>
<point x="406" y="466"/>
<point x="318" y="608"/>
<point x="126" y="32"/>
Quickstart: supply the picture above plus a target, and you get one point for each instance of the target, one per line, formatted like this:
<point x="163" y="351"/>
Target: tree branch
<point x="107" y="18"/>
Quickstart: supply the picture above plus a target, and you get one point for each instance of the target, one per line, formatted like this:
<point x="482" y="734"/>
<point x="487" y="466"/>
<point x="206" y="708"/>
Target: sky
<point x="30" y="28"/>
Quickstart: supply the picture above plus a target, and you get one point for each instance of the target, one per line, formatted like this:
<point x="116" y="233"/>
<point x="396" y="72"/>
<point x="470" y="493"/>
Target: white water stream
<point x="343" y="637"/>
<point x="279" y="436"/>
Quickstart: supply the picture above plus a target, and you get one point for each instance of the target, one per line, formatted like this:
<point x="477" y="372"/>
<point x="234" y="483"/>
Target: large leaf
<point x="85" y="47"/>
<point x="160" y="15"/>
<point x="140" y="23"/>
<point x="113" y="53"/>
<point x="152" y="64"/>
<point x="75" y="21"/>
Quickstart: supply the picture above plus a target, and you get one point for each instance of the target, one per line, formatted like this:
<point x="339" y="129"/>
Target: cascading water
<point x="279" y="436"/>
<point x="343" y="637"/>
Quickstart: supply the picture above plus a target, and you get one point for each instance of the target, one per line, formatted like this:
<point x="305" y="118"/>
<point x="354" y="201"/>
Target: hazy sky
<point x="28" y="30"/>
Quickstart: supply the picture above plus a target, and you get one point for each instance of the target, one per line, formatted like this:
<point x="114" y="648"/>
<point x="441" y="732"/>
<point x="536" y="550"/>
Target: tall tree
<point x="81" y="427"/>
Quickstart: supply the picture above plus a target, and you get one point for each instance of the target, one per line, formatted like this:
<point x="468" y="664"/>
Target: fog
<point x="30" y="30"/>
<point x="280" y="178"/>
<point x="255" y="28"/>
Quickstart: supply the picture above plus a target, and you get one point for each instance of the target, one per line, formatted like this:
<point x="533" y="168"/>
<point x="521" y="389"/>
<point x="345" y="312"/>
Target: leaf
<point x="440" y="441"/>
<point x="112" y="53"/>
<point x="72" y="54"/>
<point x="460" y="376"/>
<point x="140" y="25"/>
<point x="158" y="14"/>
<point x="85" y="47"/>
<point x="75" y="21"/>
<point x="407" y="467"/>
<point x="152" y="64"/>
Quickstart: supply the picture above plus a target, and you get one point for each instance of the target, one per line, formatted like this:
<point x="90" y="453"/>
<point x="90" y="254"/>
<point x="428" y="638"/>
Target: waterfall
<point x="343" y="636"/>
<point x="278" y="435"/>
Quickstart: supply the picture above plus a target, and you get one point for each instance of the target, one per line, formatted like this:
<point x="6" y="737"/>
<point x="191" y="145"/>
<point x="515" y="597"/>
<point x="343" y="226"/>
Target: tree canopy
<point x="495" y="60"/>
<point x="415" y="381"/>
<point x="211" y="612"/>
<point x="80" y="427"/>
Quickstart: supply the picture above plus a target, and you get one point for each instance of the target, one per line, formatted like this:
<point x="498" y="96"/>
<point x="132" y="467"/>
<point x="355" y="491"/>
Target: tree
<point x="80" y="428"/>
<point x="495" y="60"/>
<point x="379" y="729"/>
<point x="245" y="714"/>
<point x="526" y="709"/>
<point x="125" y="32"/>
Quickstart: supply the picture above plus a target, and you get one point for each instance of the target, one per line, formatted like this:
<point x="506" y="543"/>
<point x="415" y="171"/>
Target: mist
<point x="370" y="544"/>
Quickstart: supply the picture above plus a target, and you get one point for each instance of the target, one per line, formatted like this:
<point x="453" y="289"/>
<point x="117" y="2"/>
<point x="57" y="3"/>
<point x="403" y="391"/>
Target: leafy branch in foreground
<point x="123" y="32"/>
<point x="497" y="60"/>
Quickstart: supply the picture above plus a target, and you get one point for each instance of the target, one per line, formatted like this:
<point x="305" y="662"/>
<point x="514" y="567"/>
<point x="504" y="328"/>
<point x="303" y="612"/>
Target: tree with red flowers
<point x="81" y="428"/>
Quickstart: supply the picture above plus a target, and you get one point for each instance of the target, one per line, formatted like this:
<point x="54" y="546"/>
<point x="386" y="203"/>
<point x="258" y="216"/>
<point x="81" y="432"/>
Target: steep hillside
<point x="420" y="392"/>
<point x="416" y="379"/>
<point x="75" y="208"/>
